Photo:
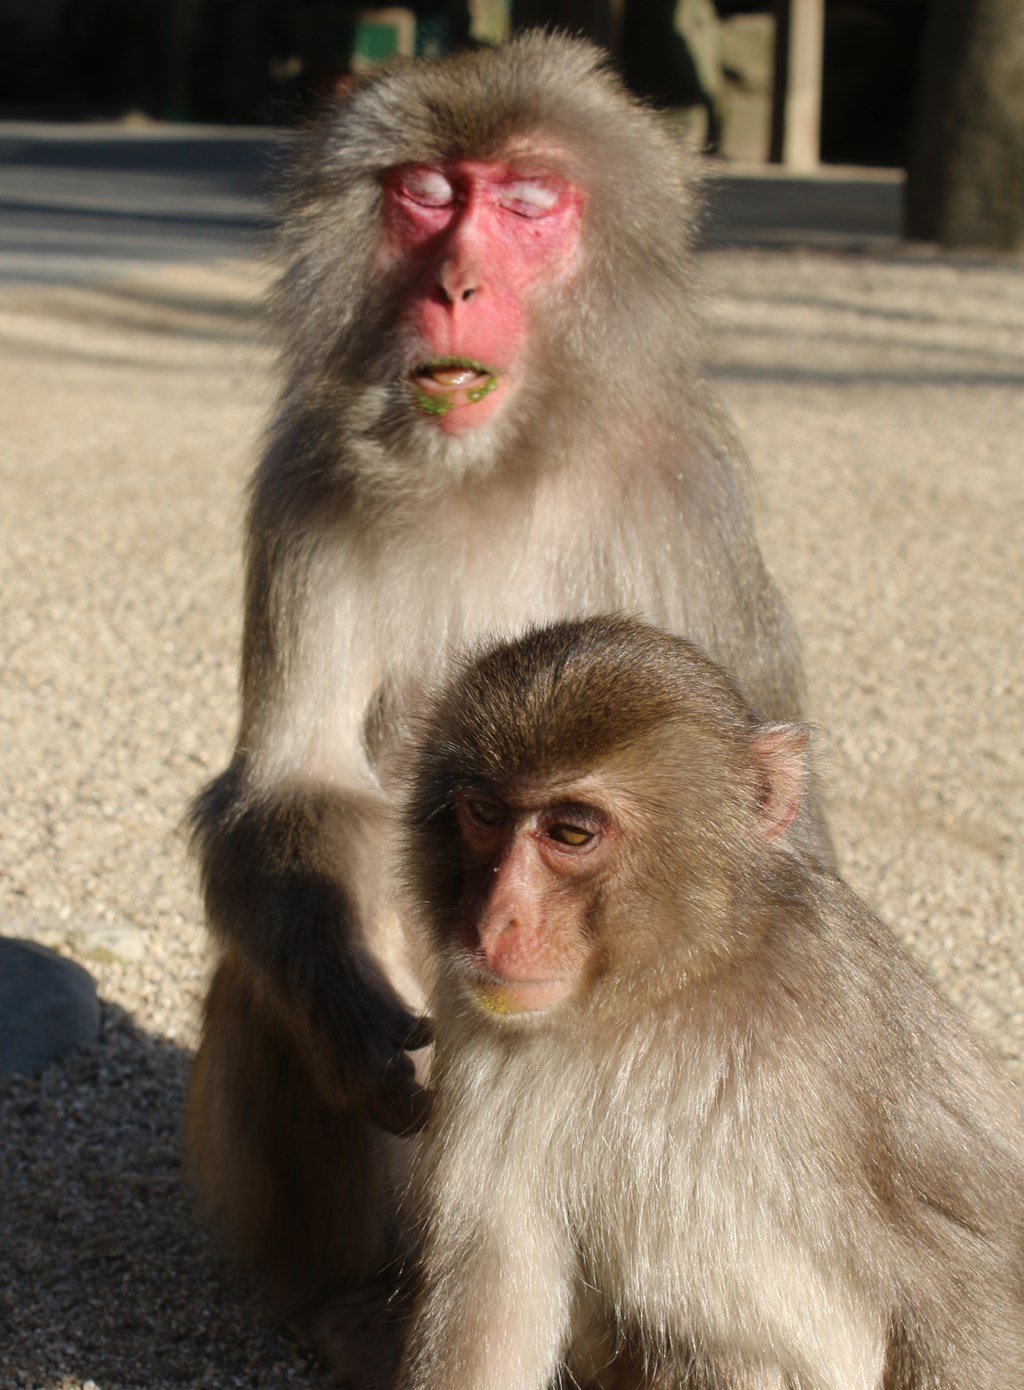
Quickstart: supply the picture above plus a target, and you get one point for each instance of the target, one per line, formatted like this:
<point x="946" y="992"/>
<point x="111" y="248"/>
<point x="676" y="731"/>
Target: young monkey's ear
<point x="779" y="753"/>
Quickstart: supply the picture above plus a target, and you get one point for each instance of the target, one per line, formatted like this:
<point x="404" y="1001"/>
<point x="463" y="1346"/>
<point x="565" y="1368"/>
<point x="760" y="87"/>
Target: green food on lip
<point x="433" y="405"/>
<point x="441" y="402"/>
<point x="477" y="393"/>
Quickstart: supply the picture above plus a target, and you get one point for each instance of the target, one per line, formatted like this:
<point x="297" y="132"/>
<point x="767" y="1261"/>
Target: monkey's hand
<point x="362" y="1063"/>
<point x="274" y="895"/>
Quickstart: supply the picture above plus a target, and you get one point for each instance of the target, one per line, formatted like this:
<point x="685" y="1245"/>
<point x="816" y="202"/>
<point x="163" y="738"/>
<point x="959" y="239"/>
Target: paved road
<point x="78" y="202"/>
<point x="82" y="201"/>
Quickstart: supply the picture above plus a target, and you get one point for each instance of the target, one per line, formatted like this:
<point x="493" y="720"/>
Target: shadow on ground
<point x="106" y="1274"/>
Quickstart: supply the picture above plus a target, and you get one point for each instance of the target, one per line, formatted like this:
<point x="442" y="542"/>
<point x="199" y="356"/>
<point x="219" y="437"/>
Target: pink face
<point x="486" y="239"/>
<point x="530" y="880"/>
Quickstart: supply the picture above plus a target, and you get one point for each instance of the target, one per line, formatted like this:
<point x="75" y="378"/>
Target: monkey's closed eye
<point x="531" y="197"/>
<point x="428" y="187"/>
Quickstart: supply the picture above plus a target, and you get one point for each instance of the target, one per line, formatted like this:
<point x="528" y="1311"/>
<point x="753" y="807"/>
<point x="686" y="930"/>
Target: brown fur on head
<point x="611" y="712"/>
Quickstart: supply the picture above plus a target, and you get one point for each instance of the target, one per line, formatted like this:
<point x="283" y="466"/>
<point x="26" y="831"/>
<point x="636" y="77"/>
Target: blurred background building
<point x="257" y="61"/>
<point x="932" y="86"/>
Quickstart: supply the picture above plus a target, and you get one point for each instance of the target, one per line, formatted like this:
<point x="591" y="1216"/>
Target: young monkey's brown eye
<point x="485" y="812"/>
<point x="573" y="835"/>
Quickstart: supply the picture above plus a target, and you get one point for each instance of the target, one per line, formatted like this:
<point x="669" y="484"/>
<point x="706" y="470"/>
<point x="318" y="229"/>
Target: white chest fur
<point x="678" y="1187"/>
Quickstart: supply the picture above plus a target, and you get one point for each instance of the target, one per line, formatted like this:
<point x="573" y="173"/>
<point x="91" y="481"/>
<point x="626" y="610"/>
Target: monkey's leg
<point x="637" y="1364"/>
<point x="306" y="1191"/>
<point x="494" y="1312"/>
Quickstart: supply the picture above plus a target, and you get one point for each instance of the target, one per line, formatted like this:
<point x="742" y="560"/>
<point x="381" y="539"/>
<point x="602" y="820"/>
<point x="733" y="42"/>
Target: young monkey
<point x="700" y="1121"/>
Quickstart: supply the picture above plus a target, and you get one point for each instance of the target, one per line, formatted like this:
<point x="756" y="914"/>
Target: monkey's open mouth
<point x="447" y="382"/>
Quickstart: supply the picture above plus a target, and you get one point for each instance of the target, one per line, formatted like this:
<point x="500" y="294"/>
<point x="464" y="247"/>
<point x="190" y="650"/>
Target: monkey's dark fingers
<point x="370" y="1028"/>
<point x="396" y="1026"/>
<point x="399" y="1103"/>
<point x="420" y="1034"/>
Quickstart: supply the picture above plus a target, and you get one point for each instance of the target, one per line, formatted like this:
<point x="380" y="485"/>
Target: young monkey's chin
<point x="504" y="998"/>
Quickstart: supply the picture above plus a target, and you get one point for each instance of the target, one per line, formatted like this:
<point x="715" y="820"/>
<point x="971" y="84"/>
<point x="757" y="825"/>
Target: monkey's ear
<point x="778" y="752"/>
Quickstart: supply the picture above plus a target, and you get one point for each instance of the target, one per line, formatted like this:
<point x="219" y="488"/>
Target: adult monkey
<point x="491" y="416"/>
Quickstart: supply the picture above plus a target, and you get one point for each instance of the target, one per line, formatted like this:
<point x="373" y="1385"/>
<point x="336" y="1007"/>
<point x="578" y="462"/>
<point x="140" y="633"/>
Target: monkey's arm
<point x="289" y="837"/>
<point x="272" y="878"/>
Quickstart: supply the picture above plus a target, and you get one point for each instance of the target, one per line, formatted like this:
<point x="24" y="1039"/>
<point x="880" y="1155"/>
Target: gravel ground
<point x="881" y="398"/>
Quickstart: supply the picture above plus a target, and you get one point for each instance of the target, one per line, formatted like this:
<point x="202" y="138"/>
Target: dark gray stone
<point x="47" y="1004"/>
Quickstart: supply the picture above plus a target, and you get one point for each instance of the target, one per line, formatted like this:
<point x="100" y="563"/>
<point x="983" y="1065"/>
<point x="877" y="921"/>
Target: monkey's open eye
<point x="573" y="835"/>
<point x="479" y="812"/>
<point x="485" y="812"/>
<point x="428" y="187"/>
<point x="531" y="197"/>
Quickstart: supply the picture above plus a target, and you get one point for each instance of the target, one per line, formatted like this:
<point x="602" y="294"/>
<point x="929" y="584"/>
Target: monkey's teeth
<point x="453" y="377"/>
